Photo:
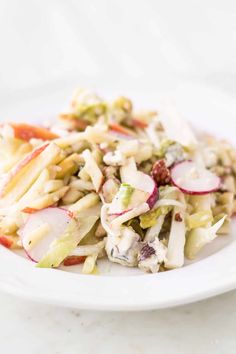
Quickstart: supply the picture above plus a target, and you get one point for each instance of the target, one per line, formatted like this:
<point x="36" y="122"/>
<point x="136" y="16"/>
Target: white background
<point x="117" y="42"/>
<point x="131" y="44"/>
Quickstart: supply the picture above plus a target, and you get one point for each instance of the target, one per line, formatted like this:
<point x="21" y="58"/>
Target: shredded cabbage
<point x="175" y="251"/>
<point x="88" y="250"/>
<point x="60" y="249"/>
<point x="149" y="219"/>
<point x="122" y="199"/>
<point x="89" y="266"/>
<point x="125" y="194"/>
<point x="199" y="237"/>
<point x="200" y="219"/>
<point x="154" y="231"/>
<point x="161" y="151"/>
<point x="87" y="105"/>
<point x="113" y="170"/>
<point x="118" y="221"/>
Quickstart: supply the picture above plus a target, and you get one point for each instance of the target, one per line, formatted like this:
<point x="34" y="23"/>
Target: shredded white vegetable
<point x="138" y="187"/>
<point x="118" y="221"/>
<point x="166" y="202"/>
<point x="88" y="250"/>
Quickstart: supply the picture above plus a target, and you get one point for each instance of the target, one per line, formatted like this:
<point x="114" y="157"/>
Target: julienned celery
<point x="202" y="218"/>
<point x="125" y="194"/>
<point x="149" y="219"/>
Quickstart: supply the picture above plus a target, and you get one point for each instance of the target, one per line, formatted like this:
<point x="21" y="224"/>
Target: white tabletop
<point x="124" y="44"/>
<point x="203" y="327"/>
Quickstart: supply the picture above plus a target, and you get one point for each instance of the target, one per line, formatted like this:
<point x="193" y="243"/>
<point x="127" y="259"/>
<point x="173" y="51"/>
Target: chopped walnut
<point x="161" y="173"/>
<point x="178" y="217"/>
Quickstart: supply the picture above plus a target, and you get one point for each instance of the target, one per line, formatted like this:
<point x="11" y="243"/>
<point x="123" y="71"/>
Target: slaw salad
<point x="138" y="187"/>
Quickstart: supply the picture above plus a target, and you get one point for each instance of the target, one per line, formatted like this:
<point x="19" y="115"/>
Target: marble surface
<point x="203" y="327"/>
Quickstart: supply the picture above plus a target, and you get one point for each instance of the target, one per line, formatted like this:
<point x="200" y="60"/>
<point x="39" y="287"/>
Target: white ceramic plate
<point x="119" y="288"/>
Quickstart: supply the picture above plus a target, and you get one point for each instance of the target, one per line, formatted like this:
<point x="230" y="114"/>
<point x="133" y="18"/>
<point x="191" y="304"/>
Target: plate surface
<point x="119" y="288"/>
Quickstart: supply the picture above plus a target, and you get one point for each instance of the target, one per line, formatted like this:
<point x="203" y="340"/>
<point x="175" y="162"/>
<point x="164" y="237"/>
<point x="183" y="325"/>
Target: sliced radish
<point x="191" y="179"/>
<point x="117" y="208"/>
<point x="153" y="195"/>
<point x="41" y="229"/>
<point x="140" y="181"/>
<point x="22" y="176"/>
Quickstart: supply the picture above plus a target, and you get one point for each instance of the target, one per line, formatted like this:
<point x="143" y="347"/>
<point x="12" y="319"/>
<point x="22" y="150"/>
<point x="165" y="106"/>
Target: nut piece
<point x="178" y="217"/>
<point x="161" y="173"/>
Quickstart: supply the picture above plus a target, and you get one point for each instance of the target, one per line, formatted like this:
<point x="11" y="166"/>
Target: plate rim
<point x="22" y="284"/>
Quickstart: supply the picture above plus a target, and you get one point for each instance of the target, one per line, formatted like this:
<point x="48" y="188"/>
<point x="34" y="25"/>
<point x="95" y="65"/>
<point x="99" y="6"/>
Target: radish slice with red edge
<point x="42" y="228"/>
<point x="153" y="196"/>
<point x="140" y="181"/>
<point x="191" y="179"/>
<point x="137" y="197"/>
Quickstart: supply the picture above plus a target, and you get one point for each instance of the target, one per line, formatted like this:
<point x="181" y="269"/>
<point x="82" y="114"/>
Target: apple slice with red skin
<point x="27" y="131"/>
<point x="73" y="122"/>
<point x="19" y="179"/>
<point x="139" y="123"/>
<point x="117" y="128"/>
<point x="191" y="179"/>
<point x="73" y="260"/>
<point x="19" y="168"/>
<point x="6" y="241"/>
<point x="28" y="210"/>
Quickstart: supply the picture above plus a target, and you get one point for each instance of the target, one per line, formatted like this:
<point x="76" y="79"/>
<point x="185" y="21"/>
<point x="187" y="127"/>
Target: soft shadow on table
<point x="204" y="327"/>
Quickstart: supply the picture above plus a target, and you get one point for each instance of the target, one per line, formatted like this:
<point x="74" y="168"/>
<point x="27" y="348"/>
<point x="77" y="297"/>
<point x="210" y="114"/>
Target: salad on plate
<point x="140" y="188"/>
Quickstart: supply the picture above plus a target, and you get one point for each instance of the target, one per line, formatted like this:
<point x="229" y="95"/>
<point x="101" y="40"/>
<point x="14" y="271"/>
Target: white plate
<point x="119" y="288"/>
